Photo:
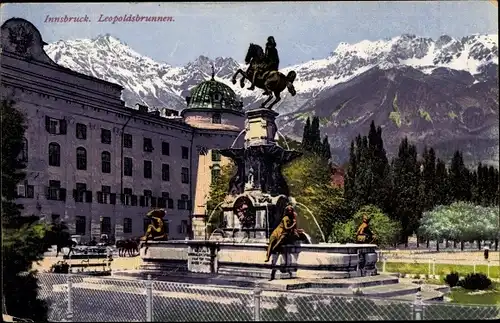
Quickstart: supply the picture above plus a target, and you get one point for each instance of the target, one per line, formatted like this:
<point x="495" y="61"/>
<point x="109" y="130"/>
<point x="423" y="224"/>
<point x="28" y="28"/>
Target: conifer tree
<point x="428" y="180"/>
<point x="306" y="136"/>
<point x="442" y="189"/>
<point x="326" y="152"/>
<point x="350" y="178"/>
<point x="315" y="136"/>
<point x="458" y="179"/>
<point x="405" y="188"/>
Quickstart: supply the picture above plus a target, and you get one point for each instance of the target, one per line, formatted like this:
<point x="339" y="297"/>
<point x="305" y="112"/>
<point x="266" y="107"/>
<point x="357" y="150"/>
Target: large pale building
<point x="98" y="165"/>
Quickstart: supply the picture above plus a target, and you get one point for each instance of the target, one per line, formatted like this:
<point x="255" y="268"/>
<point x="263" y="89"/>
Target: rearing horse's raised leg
<point x="239" y="71"/>
<point x="278" y="98"/>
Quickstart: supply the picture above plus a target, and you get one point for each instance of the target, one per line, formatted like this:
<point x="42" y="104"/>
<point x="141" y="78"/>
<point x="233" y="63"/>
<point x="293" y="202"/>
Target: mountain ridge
<point x="468" y="65"/>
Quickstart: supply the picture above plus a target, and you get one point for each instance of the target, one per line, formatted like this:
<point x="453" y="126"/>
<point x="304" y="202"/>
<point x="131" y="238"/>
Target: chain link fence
<point x="103" y="299"/>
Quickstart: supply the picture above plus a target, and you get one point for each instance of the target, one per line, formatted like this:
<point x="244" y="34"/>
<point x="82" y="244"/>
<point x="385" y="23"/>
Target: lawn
<point x="457" y="294"/>
<point x="488" y="297"/>
<point x="439" y="269"/>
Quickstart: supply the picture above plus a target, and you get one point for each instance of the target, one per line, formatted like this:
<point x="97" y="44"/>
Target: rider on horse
<point x="271" y="61"/>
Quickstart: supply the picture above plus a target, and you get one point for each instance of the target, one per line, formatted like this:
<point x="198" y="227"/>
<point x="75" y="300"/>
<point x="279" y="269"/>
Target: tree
<point x="385" y="229"/>
<point x="460" y="221"/>
<point x="459" y="179"/>
<point x="326" y="151"/>
<point x="368" y="177"/>
<point x="350" y="178"/>
<point x="442" y="184"/>
<point x="306" y="136"/>
<point x="219" y="189"/>
<point x="362" y="183"/>
<point x="309" y="180"/>
<point x="405" y="188"/>
<point x="23" y="238"/>
<point x="315" y="136"/>
<point x="428" y="180"/>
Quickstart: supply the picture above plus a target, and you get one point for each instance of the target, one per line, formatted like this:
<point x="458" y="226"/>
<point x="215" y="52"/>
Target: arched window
<point x="215" y="155"/>
<point x="81" y="158"/>
<point x="217" y="97"/>
<point x="106" y="162"/>
<point x="54" y="154"/>
<point x="216" y="118"/>
<point x="23" y="156"/>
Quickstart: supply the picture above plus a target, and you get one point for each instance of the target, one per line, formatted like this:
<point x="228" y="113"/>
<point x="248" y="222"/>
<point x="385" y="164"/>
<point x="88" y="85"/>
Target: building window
<point x="80" y="191"/>
<point x="148" y="169"/>
<point x="148" y="144"/>
<point x="81" y="158"/>
<point x="165" y="148"/>
<point x="148" y="194"/>
<point x="81" y="131"/>
<point x="185" y="152"/>
<point x="165" y="172"/>
<point x="127" y="166"/>
<point x="216" y="118"/>
<point x="127" y="140"/>
<point x="106" y="136"/>
<point x="105" y="225"/>
<point x="183" y="228"/>
<point x="55" y="126"/>
<point x="126" y="197"/>
<point x="216" y="155"/>
<point x="54" y="190"/>
<point x="54" y="154"/>
<point x="185" y="175"/>
<point x="127" y="225"/>
<point x="106" y="162"/>
<point x="182" y="204"/>
<point x="215" y="174"/>
<point x="23" y="155"/>
<point x="168" y="201"/>
<point x="80" y="225"/>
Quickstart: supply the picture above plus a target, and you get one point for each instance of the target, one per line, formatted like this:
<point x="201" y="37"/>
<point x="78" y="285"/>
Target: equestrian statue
<point x="263" y="72"/>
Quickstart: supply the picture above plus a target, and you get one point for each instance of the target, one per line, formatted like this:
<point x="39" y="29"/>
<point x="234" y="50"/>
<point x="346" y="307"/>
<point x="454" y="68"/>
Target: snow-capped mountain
<point x="405" y="63"/>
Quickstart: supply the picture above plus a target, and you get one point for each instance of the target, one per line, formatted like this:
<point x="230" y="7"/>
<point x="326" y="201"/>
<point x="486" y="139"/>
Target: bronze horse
<point x="272" y="82"/>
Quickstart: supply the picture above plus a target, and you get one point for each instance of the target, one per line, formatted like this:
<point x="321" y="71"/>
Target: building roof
<point x="212" y="94"/>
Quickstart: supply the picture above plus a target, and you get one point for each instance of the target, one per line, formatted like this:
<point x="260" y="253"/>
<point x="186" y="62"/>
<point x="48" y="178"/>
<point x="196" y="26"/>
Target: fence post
<point x="429" y="267"/>
<point x="488" y="272"/>
<point x="474" y="267"/>
<point x="433" y="267"/>
<point x="69" y="314"/>
<point x="149" y="299"/>
<point x="256" y="304"/>
<point x="418" y="307"/>
<point x="384" y="259"/>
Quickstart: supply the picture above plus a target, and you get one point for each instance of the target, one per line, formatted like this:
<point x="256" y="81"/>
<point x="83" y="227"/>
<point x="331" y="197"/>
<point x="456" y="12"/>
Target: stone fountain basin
<point x="247" y="259"/>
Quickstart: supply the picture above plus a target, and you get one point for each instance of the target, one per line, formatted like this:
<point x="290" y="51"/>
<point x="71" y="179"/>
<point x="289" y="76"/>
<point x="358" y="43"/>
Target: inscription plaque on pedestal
<point x="201" y="259"/>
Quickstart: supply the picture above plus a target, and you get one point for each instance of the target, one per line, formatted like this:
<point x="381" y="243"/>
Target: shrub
<point x="452" y="279"/>
<point x="475" y="281"/>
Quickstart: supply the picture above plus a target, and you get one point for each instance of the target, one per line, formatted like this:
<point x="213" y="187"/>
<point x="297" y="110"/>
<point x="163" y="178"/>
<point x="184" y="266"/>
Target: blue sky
<point x="303" y="30"/>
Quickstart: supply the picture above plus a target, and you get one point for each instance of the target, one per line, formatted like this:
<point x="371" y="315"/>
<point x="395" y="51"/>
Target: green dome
<point x="213" y="95"/>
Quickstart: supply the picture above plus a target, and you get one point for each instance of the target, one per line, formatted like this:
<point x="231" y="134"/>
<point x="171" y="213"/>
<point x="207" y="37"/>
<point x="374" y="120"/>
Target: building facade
<point x="98" y="165"/>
